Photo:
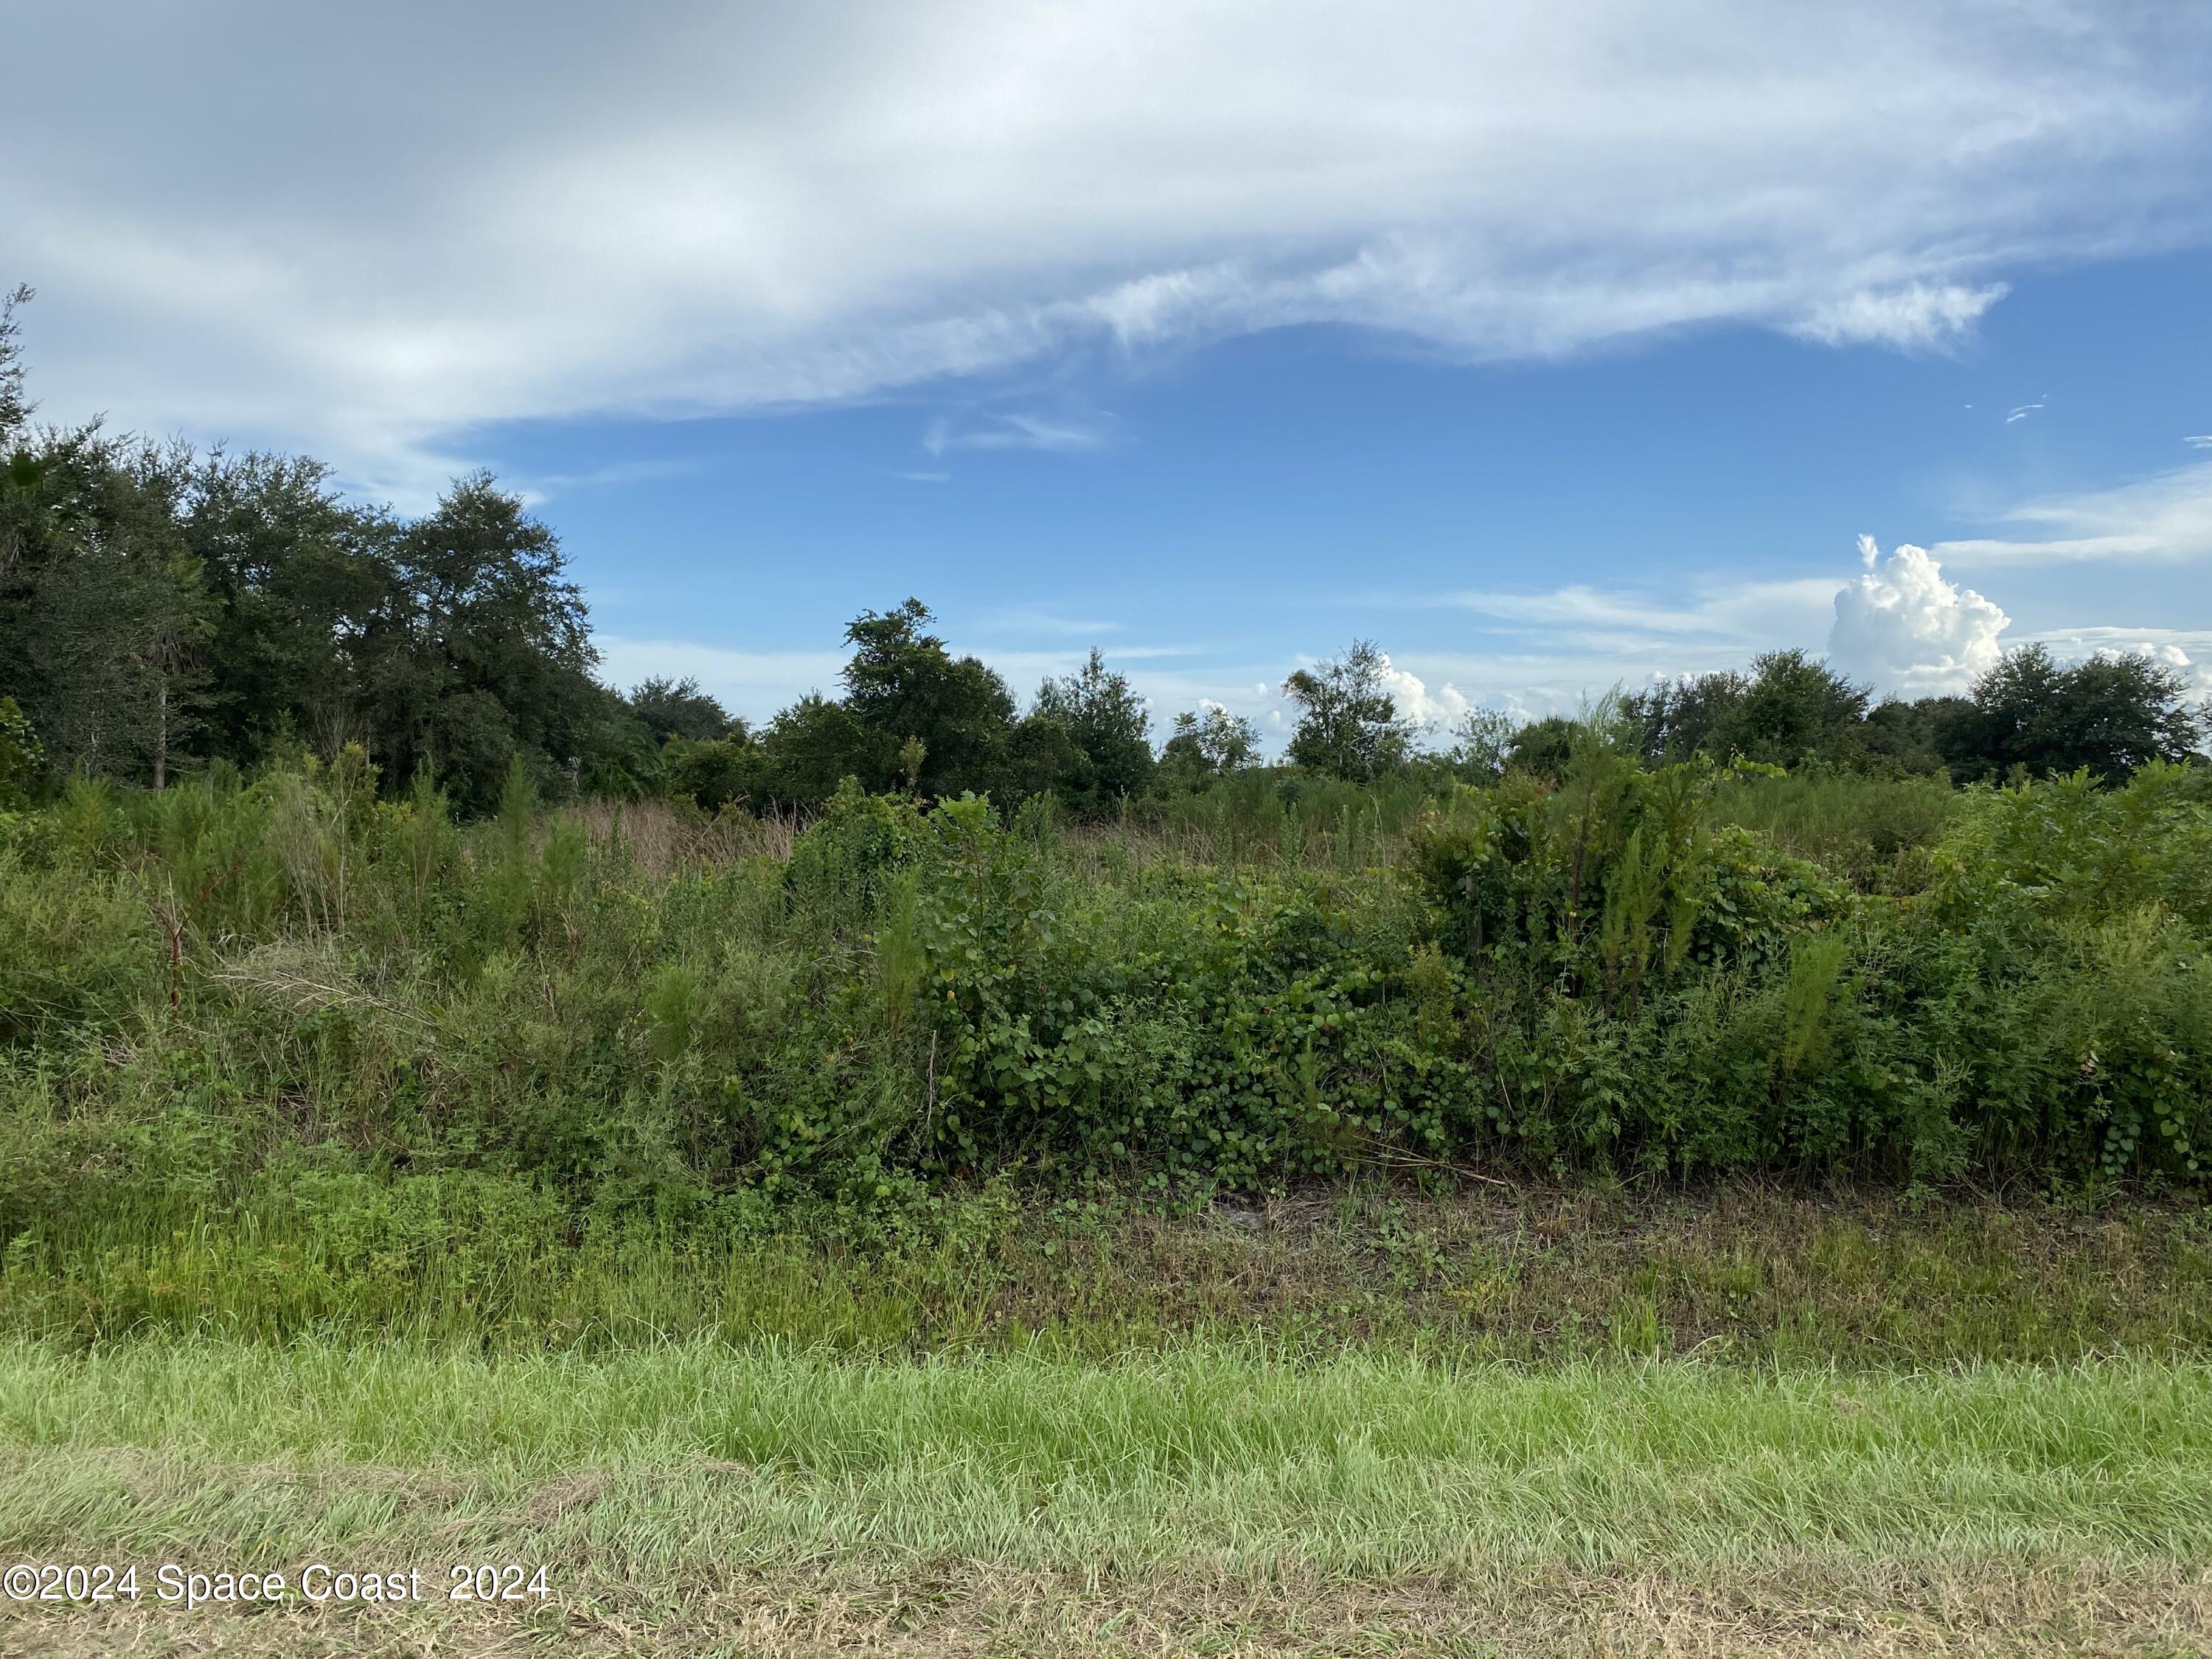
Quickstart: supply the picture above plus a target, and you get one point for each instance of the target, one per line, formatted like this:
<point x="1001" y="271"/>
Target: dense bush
<point x="296" y="997"/>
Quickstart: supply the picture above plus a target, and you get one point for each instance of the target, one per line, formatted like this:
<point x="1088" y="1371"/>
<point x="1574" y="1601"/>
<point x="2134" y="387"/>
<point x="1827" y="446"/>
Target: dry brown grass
<point x="1950" y="1611"/>
<point x="666" y="838"/>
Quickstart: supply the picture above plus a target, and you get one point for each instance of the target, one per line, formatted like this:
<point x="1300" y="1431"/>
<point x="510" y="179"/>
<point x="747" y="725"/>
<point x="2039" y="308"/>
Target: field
<point x="1205" y="1498"/>
<point x="1418" y="1219"/>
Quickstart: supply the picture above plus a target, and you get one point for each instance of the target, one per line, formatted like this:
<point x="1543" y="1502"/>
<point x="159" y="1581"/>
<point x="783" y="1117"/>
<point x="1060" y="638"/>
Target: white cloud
<point x="2157" y="519"/>
<point x="505" y="212"/>
<point x="2202" y="441"/>
<point x="2189" y="649"/>
<point x="537" y="490"/>
<point x="1060" y="437"/>
<point x="1436" y="711"/>
<point x="1534" y="654"/>
<point x="1712" y="611"/>
<point x="755" y="684"/>
<point x="1903" y="626"/>
<point x="1918" y="317"/>
<point x="2021" y="412"/>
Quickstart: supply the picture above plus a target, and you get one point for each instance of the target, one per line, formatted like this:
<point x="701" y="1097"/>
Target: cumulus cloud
<point x="1902" y="625"/>
<point x="295" y="224"/>
<point x="1436" y="711"/>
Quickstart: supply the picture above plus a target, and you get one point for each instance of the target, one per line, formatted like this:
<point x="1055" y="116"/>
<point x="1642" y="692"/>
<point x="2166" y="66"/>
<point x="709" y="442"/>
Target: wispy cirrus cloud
<point x="714" y="208"/>
<point x="545" y="486"/>
<point x="2166" y="518"/>
<point x="1703" y="611"/>
<point x="1060" y="436"/>
<point x="1021" y="620"/>
<point x="1548" y="651"/>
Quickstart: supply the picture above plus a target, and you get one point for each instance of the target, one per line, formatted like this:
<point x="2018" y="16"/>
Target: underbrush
<point x="1741" y="1273"/>
<point x="289" y="1032"/>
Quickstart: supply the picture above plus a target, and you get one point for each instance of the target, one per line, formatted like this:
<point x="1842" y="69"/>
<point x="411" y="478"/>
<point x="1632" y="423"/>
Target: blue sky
<point x="1551" y="346"/>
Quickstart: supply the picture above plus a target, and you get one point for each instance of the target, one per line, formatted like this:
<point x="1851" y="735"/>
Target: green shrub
<point x="283" y="996"/>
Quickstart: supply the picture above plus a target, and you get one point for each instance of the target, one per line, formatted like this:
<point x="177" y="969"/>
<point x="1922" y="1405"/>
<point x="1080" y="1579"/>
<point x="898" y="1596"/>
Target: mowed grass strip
<point x="663" y="1466"/>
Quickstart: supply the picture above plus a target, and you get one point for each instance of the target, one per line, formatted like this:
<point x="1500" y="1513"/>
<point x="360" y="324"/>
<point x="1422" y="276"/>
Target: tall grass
<point x="1867" y="829"/>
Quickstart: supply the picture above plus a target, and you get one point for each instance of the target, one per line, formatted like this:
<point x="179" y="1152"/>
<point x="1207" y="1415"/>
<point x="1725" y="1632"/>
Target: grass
<point x="1370" y="1418"/>
<point x="507" y="1194"/>
<point x="683" y="1495"/>
<point x="1753" y="1273"/>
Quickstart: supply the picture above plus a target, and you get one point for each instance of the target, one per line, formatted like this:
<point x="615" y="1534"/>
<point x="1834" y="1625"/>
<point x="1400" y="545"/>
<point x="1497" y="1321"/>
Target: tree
<point x="1544" y="747"/>
<point x="1796" y="709"/>
<point x="1914" y="738"/>
<point x="1207" y="743"/>
<point x="1789" y="707"/>
<point x="718" y="772"/>
<point x="1485" y="740"/>
<point x="103" y="610"/>
<point x="15" y="407"/>
<point x="1349" y="728"/>
<point x="808" y="748"/>
<point x="1111" y="732"/>
<point x="300" y="583"/>
<point x="678" y="708"/>
<point x="2110" y="712"/>
<point x="494" y="656"/>
<point x="1680" y="718"/>
<point x="903" y="685"/>
<point x="1044" y="758"/>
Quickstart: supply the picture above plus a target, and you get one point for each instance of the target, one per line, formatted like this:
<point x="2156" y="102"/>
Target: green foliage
<point x="1207" y="743"/>
<point x="161" y="609"/>
<point x="2108" y="714"/>
<point x="902" y="684"/>
<point x="841" y="866"/>
<point x="1350" y="727"/>
<point x="1788" y="709"/>
<point x="717" y="772"/>
<point x="22" y="758"/>
<point x="678" y="708"/>
<point x="211" y="994"/>
<point x="1111" y="731"/>
<point x="1542" y="749"/>
<point x="15" y="407"/>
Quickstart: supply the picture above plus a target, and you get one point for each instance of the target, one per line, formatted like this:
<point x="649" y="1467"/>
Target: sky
<point x="1552" y="345"/>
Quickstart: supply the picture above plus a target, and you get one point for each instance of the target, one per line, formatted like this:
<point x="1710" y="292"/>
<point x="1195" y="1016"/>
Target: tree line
<point x="162" y="609"/>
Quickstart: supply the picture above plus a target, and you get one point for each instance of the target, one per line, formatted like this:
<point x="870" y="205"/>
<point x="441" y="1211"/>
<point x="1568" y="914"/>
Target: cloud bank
<point x="373" y="232"/>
